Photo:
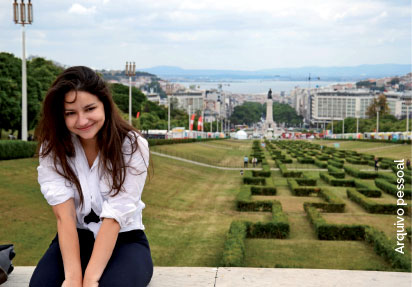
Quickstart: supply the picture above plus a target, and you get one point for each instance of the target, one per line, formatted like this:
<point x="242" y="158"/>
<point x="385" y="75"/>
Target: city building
<point x="328" y="104"/>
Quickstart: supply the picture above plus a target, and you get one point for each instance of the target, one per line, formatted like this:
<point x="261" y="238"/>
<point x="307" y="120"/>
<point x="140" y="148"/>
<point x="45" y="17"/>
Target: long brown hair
<point x="54" y="138"/>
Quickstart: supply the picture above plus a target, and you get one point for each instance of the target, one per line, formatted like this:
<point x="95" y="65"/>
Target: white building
<point x="330" y="105"/>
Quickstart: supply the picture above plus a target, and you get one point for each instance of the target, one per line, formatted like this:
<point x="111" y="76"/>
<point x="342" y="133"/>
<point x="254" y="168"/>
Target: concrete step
<point x="250" y="277"/>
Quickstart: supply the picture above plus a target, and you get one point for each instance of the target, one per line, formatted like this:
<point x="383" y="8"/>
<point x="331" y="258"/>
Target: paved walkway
<point x="251" y="277"/>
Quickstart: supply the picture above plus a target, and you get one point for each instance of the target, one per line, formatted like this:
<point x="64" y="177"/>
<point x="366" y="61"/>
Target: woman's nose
<point x="82" y="120"/>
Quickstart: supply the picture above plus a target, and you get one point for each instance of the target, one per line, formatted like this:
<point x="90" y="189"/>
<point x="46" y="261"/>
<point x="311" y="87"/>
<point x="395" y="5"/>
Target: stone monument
<point x="269" y="126"/>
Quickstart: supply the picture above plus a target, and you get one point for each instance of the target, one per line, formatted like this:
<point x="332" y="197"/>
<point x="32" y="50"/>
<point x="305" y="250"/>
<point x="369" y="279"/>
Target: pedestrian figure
<point x="254" y="161"/>
<point x="408" y="163"/>
<point x="241" y="172"/>
<point x="245" y="161"/>
<point x="376" y="164"/>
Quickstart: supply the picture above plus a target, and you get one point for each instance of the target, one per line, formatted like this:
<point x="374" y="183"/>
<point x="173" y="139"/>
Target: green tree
<point x="247" y="113"/>
<point x="379" y="103"/>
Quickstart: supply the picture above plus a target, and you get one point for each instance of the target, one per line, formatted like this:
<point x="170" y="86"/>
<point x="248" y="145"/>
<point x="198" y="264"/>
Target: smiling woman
<point x="92" y="171"/>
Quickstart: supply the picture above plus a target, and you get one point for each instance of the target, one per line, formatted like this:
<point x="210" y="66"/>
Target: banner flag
<point x="199" y="123"/>
<point x="191" y="122"/>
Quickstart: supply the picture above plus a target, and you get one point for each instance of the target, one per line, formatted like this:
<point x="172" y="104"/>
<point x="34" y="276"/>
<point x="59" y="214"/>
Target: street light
<point x="377" y="121"/>
<point x="357" y="113"/>
<point x="130" y="72"/>
<point x="407" y="103"/>
<point x="23" y="18"/>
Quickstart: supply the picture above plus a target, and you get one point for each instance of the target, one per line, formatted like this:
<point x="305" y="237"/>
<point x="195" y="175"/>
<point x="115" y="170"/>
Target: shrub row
<point x="336" y="181"/>
<point x="367" y="188"/>
<point x="320" y="163"/>
<point x="259" y="173"/>
<point x="371" y="206"/>
<point x="325" y="231"/>
<point x="385" y="248"/>
<point x="332" y="162"/>
<point x="299" y="190"/>
<point x="306" y="160"/>
<point x="12" y="149"/>
<point x="254" y="180"/>
<point x="356" y="160"/>
<point x="278" y="227"/>
<point x="285" y="172"/>
<point x="336" y="172"/>
<point x="259" y="190"/>
<point x="382" y="245"/>
<point x="360" y="174"/>
<point x="234" y="248"/>
<point x="392" y="188"/>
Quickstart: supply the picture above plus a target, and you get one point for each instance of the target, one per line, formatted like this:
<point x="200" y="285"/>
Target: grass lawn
<point x="312" y="254"/>
<point x="228" y="153"/>
<point x="389" y="150"/>
<point x="188" y="212"/>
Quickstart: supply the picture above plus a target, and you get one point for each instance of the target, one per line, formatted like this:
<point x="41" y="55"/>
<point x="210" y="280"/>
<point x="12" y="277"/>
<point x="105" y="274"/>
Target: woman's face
<point x="83" y="114"/>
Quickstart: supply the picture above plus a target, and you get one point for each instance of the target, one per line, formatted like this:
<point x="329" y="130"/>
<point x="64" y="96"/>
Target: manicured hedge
<point x="325" y="231"/>
<point x="336" y="181"/>
<point x="360" y="174"/>
<point x="254" y="180"/>
<point x="12" y="149"/>
<point x="278" y="227"/>
<point x="356" y="160"/>
<point x="259" y="190"/>
<point x="336" y="172"/>
<point x="299" y="190"/>
<point x="234" y="248"/>
<point x="259" y="173"/>
<point x="335" y="163"/>
<point x="367" y="188"/>
<point x="306" y="160"/>
<point x="391" y="188"/>
<point x="371" y="206"/>
<point x="385" y="247"/>
<point x="287" y="173"/>
<point x="321" y="163"/>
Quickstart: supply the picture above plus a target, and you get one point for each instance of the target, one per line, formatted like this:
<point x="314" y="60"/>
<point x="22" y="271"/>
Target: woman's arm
<point x="69" y="242"/>
<point x="102" y="251"/>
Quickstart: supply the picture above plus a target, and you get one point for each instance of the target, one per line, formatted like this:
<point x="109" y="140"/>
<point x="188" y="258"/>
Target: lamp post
<point x="130" y="72"/>
<point x="169" y="96"/>
<point x="407" y="103"/>
<point x="377" y="121"/>
<point x="21" y="17"/>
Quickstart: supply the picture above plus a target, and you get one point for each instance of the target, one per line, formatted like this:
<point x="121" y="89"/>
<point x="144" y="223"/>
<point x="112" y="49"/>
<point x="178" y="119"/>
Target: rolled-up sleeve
<point x="124" y="206"/>
<point x="55" y="188"/>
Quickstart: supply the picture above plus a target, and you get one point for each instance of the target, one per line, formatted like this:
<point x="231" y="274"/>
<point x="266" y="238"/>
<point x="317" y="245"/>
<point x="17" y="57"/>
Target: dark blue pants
<point x="130" y="265"/>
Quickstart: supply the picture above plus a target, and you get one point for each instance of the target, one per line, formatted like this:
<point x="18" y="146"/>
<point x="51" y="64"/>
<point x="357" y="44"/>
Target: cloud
<point x="77" y="8"/>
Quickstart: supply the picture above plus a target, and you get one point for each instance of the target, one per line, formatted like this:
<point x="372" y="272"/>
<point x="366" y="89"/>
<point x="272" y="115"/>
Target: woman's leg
<point x="131" y="262"/>
<point x="49" y="272"/>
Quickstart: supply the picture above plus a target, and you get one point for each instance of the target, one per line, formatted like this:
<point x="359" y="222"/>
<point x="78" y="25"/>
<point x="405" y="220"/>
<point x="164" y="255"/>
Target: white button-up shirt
<point x="126" y="207"/>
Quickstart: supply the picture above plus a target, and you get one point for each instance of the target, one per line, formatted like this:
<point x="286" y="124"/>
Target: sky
<point x="213" y="34"/>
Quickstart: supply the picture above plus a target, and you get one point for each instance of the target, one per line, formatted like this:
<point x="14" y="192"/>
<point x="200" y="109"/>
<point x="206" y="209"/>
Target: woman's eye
<point x="90" y="109"/>
<point x="69" y="114"/>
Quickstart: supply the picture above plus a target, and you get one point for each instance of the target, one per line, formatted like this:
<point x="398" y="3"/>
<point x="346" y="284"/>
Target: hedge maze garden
<point x="338" y="200"/>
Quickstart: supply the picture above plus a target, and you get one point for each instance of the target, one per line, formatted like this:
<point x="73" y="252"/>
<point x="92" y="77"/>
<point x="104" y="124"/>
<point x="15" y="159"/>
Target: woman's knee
<point x="130" y="265"/>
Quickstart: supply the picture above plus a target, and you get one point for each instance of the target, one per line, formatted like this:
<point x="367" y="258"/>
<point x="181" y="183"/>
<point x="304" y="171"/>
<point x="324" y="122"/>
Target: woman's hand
<point x="88" y="282"/>
<point x="72" y="283"/>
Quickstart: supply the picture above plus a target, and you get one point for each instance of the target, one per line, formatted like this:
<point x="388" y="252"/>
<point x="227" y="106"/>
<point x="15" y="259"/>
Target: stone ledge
<point x="249" y="277"/>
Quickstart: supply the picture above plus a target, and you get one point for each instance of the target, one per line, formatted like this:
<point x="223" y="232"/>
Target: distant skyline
<point x="213" y="34"/>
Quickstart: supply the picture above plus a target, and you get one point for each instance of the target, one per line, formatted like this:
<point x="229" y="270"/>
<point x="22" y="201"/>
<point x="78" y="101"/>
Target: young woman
<point x="92" y="171"/>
